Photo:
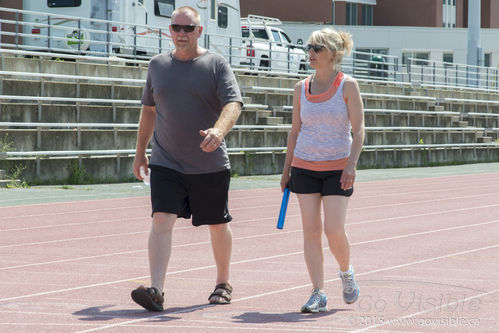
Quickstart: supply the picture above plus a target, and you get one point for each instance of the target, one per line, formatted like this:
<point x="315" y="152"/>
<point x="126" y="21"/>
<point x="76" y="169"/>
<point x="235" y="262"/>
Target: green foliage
<point x="5" y="144"/>
<point x="77" y="174"/>
<point x="16" y="177"/>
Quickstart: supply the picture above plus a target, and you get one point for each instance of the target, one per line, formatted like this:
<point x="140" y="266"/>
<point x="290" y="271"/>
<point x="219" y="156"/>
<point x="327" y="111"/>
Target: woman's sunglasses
<point x="186" y="28"/>
<point x="316" y="47"/>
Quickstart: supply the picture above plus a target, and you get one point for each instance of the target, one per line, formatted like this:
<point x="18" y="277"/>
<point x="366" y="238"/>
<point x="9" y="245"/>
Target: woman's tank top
<point x="325" y="132"/>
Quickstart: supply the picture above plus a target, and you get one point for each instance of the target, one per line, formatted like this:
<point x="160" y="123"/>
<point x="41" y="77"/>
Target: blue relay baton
<point x="284" y="207"/>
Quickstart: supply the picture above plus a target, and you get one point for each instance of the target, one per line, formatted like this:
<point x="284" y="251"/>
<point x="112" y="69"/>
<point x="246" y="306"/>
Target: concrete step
<point x="484" y="139"/>
<point x="436" y="108"/>
<point x="270" y="121"/>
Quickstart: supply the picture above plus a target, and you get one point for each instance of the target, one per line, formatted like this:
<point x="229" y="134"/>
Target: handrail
<point x="69" y="99"/>
<point x="236" y="150"/>
<point x="74" y="77"/>
<point x="235" y="128"/>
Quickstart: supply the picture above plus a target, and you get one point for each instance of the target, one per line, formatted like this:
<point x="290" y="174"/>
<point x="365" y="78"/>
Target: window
<point x="276" y="36"/>
<point x="417" y="55"/>
<point x="362" y="56"/>
<point x="257" y="33"/>
<point x="486" y="60"/>
<point x="164" y="8"/>
<point x="285" y="39"/>
<point x="351" y="14"/>
<point x="367" y="15"/>
<point x="448" y="57"/>
<point x="63" y="3"/>
<point x="449" y="14"/>
<point x="223" y="17"/>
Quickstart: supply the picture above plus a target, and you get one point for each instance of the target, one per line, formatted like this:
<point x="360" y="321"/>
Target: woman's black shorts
<point x="305" y="181"/>
<point x="204" y="196"/>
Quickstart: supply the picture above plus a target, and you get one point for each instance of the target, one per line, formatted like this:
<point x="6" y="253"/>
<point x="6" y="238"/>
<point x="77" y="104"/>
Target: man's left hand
<point x="213" y="137"/>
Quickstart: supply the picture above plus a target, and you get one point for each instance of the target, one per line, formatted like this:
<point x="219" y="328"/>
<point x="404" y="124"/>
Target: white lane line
<point x="244" y="238"/>
<point x="238" y="208"/>
<point x="420" y="215"/>
<point x="245" y="221"/>
<point x="241" y="261"/>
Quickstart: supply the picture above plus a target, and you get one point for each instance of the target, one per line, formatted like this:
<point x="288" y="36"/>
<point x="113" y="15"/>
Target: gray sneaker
<point x="350" y="288"/>
<point x="316" y="303"/>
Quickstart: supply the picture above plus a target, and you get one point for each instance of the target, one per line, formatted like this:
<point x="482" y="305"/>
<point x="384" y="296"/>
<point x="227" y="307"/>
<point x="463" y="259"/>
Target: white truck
<point x="128" y="27"/>
<point x="267" y="47"/>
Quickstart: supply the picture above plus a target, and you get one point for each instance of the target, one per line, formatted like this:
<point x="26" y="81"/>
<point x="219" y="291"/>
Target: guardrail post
<point x="160" y="41"/>
<point x="230" y="51"/>
<point x="79" y="36"/>
<point x="108" y="39"/>
<point x="487" y="77"/>
<point x="78" y="138"/>
<point x="409" y="61"/>
<point x="250" y="57"/>
<point x="135" y="42"/>
<point x="17" y="30"/>
<point x="396" y="63"/>
<point x="48" y="32"/>
<point x="467" y="75"/>
<point x="38" y="138"/>
<point x="38" y="168"/>
<point x="118" y="164"/>
<point x="289" y="59"/>
<point x="270" y="57"/>
<point x="422" y="73"/>
<point x="445" y="74"/>
<point x="434" y="72"/>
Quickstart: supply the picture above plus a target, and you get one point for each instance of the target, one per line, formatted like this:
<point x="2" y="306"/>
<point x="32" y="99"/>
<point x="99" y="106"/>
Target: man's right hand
<point x="140" y="161"/>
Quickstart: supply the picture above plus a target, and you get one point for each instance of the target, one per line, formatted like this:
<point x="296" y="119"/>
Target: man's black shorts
<point x="305" y="181"/>
<point x="204" y="196"/>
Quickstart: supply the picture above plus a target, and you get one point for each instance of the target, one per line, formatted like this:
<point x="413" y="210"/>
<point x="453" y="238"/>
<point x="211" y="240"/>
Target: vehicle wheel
<point x="264" y="65"/>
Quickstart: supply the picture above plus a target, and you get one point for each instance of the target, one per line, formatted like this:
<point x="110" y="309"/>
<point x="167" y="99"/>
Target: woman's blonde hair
<point x="335" y="41"/>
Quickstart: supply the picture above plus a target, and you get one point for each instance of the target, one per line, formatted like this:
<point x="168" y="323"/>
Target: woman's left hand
<point x="347" y="177"/>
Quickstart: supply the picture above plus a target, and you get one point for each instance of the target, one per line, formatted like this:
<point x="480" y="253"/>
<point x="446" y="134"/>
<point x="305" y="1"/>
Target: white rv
<point x="132" y="27"/>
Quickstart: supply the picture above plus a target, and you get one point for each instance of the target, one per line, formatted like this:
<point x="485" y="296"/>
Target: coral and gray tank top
<point x="325" y="133"/>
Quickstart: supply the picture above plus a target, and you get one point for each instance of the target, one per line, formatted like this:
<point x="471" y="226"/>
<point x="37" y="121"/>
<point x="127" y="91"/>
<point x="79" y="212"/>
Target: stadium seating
<point x="58" y="110"/>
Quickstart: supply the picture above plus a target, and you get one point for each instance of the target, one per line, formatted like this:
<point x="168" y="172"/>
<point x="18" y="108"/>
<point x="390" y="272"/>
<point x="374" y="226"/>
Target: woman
<point x="323" y="149"/>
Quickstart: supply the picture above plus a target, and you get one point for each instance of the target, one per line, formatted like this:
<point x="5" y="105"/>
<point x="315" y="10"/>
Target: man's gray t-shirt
<point x="189" y="96"/>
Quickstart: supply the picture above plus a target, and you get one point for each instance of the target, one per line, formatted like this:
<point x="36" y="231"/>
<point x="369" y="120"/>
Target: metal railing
<point x="450" y="74"/>
<point x="35" y="31"/>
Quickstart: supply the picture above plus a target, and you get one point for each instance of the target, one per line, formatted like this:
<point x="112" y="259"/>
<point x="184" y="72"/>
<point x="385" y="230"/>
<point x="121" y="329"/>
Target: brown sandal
<point x="149" y="298"/>
<point x="224" y="292"/>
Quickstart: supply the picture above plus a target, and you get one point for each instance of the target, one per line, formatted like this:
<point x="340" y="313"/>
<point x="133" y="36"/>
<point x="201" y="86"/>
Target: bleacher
<point x="85" y="110"/>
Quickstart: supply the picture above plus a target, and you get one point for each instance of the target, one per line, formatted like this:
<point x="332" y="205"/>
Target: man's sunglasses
<point x="186" y="28"/>
<point x="316" y="47"/>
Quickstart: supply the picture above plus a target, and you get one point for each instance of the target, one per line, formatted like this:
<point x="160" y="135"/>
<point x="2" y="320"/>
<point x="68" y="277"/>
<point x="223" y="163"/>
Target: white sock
<point x="350" y="271"/>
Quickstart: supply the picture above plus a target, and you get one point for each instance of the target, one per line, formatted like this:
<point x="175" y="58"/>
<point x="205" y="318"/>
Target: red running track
<point x="425" y="253"/>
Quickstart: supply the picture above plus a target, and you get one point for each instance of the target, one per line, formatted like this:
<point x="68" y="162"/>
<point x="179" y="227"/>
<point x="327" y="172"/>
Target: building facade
<point x="424" y="29"/>
<point x="14" y="4"/>
<point x="420" y="13"/>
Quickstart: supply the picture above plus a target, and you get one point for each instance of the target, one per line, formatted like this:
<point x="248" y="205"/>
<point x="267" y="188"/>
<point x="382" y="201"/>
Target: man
<point x="190" y="102"/>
